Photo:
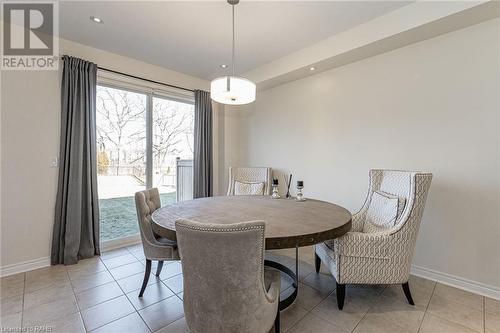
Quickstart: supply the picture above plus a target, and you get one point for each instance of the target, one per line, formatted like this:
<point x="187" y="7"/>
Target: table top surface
<point x="289" y="223"/>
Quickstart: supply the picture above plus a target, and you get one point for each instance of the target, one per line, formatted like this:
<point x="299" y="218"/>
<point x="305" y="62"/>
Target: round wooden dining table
<point x="289" y="223"/>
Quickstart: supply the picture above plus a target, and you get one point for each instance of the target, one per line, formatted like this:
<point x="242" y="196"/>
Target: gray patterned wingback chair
<point x="155" y="247"/>
<point x="248" y="177"/>
<point x="373" y="255"/>
<point x="226" y="288"/>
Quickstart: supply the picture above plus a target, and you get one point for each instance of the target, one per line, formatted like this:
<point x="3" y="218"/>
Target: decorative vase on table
<point x="288" y="182"/>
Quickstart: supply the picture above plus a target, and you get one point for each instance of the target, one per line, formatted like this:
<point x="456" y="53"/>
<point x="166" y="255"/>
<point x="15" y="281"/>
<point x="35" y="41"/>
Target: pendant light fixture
<point x="232" y="90"/>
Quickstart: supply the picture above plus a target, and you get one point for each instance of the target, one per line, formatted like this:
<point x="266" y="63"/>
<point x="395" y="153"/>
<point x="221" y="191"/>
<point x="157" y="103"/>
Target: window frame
<point x="150" y="90"/>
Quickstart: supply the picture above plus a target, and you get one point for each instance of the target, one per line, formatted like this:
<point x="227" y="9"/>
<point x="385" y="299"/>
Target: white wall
<point x="30" y="124"/>
<point x="431" y="106"/>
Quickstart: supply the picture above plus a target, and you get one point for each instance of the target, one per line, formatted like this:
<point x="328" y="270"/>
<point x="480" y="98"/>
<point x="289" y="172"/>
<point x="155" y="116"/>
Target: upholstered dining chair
<point x="155" y="247"/>
<point x="379" y="248"/>
<point x="226" y="287"/>
<point x="249" y="181"/>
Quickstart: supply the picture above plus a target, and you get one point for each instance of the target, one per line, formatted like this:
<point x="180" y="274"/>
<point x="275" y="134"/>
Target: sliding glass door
<point x="173" y="125"/>
<point x="143" y="141"/>
<point x="121" y="158"/>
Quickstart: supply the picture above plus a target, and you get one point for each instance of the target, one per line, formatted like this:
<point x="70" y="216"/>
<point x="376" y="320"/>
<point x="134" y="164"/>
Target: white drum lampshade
<point x="232" y="90"/>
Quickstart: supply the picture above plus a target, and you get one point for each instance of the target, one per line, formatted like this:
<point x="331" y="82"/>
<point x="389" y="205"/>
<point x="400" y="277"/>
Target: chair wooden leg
<point x="146" y="277"/>
<point x="340" y="295"/>
<point x="406" y="289"/>
<point x="158" y="269"/>
<point x="277" y="322"/>
<point x="317" y="262"/>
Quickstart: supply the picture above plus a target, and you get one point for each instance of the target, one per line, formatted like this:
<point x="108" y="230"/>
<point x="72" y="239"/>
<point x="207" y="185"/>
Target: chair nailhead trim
<point x="234" y="229"/>
<point x="220" y="230"/>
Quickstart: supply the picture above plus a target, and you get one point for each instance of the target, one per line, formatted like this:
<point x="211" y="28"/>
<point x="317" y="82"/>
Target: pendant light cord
<point x="232" y="60"/>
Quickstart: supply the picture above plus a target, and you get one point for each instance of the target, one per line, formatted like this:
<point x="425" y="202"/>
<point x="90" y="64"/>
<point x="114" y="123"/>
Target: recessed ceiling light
<point x="312" y="68"/>
<point x="223" y="66"/>
<point x="96" y="19"/>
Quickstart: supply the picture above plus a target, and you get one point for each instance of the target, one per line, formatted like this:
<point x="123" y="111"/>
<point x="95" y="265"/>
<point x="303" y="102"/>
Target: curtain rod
<point x="143" y="79"/>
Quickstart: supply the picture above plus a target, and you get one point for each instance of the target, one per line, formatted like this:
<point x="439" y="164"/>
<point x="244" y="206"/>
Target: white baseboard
<point x="25" y="266"/>
<point x="457" y="282"/>
<point x="30" y="265"/>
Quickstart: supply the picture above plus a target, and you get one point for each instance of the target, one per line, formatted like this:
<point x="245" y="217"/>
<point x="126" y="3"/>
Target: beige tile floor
<point x="100" y="295"/>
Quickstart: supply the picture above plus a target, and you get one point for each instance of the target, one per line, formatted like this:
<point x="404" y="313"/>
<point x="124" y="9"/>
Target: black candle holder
<point x="300" y="186"/>
<point x="275" y="194"/>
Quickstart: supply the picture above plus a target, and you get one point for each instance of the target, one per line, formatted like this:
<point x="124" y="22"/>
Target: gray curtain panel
<point x="203" y="181"/>
<point x="76" y="222"/>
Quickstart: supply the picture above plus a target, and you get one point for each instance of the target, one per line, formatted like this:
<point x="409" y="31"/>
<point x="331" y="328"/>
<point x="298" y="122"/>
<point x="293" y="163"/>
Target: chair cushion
<point x="383" y="211"/>
<point x="246" y="188"/>
<point x="401" y="202"/>
<point x="270" y="275"/>
<point x="166" y="241"/>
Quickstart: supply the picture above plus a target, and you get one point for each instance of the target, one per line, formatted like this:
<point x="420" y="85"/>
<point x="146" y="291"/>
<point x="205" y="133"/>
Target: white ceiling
<point x="195" y="37"/>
